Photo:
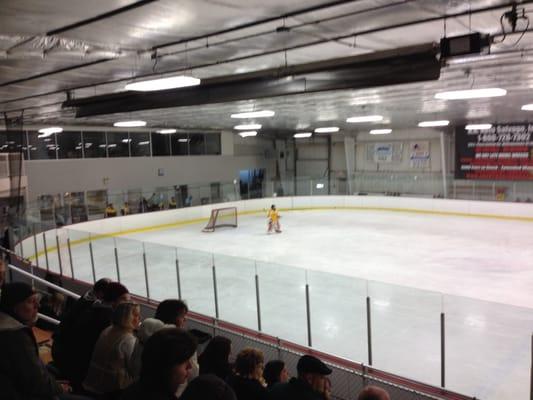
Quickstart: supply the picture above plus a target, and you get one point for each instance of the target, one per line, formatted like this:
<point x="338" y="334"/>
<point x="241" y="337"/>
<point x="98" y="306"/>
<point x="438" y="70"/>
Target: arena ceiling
<point x="58" y="55"/>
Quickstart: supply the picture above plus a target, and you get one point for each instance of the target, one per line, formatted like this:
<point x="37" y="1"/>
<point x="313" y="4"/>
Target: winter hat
<point x="113" y="291"/>
<point x="13" y="294"/>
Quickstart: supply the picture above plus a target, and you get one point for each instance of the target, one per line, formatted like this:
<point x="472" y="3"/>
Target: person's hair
<point x="272" y="371"/>
<point x="164" y="350"/>
<point x="247" y="361"/>
<point x="272" y="206"/>
<point x="101" y="284"/>
<point x="373" y="393"/>
<point x="215" y="357"/>
<point x="123" y="315"/>
<point x="113" y="291"/>
<point x="169" y="310"/>
<point x="208" y="386"/>
<point x="55" y="279"/>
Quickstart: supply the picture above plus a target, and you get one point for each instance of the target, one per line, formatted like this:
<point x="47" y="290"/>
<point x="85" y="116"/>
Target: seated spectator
<point x="311" y="383"/>
<point x="247" y="382"/>
<point x="68" y="321"/>
<point x="166" y="364"/>
<point x="215" y="358"/>
<point x="169" y="314"/>
<point x="87" y="330"/>
<point x="110" y="370"/>
<point x="208" y="387"/>
<point x="110" y="211"/>
<point x="275" y="372"/>
<point x="125" y="209"/>
<point x="19" y="360"/>
<point x="373" y="393"/>
<point x="172" y="203"/>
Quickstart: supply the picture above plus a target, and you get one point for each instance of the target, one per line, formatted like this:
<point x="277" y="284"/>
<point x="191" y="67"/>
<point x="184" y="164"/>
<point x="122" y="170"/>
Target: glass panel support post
<point x="46" y="251"/>
<point x="146" y="274"/>
<point x="35" y="247"/>
<point x="59" y="256"/>
<point x="369" y="329"/>
<point x="257" y="298"/>
<point x="215" y="289"/>
<point x="308" y="311"/>
<point x="442" y="351"/>
<point x="116" y="258"/>
<point x="92" y="259"/>
<point x="70" y="258"/>
<point x="178" y="278"/>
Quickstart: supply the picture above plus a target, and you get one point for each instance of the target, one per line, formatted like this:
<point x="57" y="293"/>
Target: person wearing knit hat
<point x="20" y="364"/>
<point x="115" y="293"/>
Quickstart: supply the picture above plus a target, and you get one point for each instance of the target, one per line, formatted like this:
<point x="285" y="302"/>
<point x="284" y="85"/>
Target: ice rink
<point x="413" y="266"/>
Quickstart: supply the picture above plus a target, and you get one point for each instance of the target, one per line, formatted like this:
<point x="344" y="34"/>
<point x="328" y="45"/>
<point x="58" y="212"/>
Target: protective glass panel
<point x="282" y="294"/>
<point x="104" y="257"/>
<point x="81" y="256"/>
<point x="236" y="290"/>
<point x="131" y="265"/>
<point x="406" y="331"/>
<point x="161" y="266"/>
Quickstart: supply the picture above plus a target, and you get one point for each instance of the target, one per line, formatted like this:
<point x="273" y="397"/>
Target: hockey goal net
<point x="221" y="217"/>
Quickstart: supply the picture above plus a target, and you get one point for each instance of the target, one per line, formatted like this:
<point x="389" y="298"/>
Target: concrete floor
<point x="478" y="271"/>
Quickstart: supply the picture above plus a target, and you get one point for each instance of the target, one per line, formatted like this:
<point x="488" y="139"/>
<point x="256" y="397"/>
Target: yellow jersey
<point x="273" y="215"/>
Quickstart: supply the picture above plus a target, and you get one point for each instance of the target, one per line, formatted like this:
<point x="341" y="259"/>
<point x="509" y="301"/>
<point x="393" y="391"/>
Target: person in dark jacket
<point x="208" y="387"/>
<point x="311" y="383"/>
<point x="19" y="361"/>
<point x="215" y="358"/>
<point x="166" y="364"/>
<point x="247" y="382"/>
<point x="275" y="372"/>
<point x="87" y="330"/>
<point x="62" y="345"/>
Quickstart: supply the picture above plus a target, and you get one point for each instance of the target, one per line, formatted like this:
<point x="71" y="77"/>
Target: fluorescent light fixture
<point x="320" y="186"/>
<point x="248" y="133"/>
<point x="166" y="131"/>
<point x="302" y="135"/>
<point x="78" y="147"/>
<point x="51" y="130"/>
<point x="327" y="129"/>
<point x="380" y="131"/>
<point x="527" y="107"/>
<point x="471" y="94"/>
<point x="102" y="145"/>
<point x="428" y="124"/>
<point x="254" y="114"/>
<point x="366" y="118"/>
<point x="478" y="127"/>
<point x="47" y="139"/>
<point x="126" y="140"/>
<point x="247" y="127"/>
<point x="129" y="124"/>
<point x="183" y="140"/>
<point x="144" y="143"/>
<point x="111" y="145"/>
<point x="172" y="82"/>
<point x="87" y="145"/>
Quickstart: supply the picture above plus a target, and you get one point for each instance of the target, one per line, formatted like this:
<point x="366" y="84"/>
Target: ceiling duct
<point x="405" y="65"/>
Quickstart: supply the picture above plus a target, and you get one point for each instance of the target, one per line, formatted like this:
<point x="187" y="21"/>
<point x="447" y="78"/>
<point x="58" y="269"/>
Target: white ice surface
<point x="412" y="266"/>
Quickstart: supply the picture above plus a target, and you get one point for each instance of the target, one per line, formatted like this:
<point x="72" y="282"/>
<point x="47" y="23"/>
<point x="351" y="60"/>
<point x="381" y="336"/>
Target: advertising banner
<point x="503" y="152"/>
<point x="419" y="154"/>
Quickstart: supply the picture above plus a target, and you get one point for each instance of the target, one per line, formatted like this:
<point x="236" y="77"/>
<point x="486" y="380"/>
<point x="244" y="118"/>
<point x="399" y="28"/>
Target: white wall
<point x="59" y="176"/>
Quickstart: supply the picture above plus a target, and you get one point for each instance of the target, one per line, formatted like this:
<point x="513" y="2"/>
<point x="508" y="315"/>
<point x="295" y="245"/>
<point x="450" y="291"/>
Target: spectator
<point x="373" y="393"/>
<point x="125" y="209"/>
<point x="275" y="372"/>
<point x="172" y="203"/>
<point x="110" y="370"/>
<point x="64" y="332"/>
<point x="311" y="383"/>
<point x="208" y="387"/>
<point x="110" y="211"/>
<point x="215" y="358"/>
<point x="165" y="365"/>
<point x="87" y="330"/>
<point x="169" y="313"/>
<point x="247" y="382"/>
<point x="20" y="364"/>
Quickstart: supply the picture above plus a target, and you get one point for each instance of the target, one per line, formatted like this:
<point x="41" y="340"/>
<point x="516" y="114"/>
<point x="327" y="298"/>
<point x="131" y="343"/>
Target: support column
<point x="349" y="151"/>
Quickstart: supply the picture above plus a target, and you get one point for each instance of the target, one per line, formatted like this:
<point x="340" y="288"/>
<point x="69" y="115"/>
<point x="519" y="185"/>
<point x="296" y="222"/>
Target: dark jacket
<point x="139" y="391"/>
<point x="247" y="389"/>
<point x="295" y="389"/>
<point x="20" y="363"/>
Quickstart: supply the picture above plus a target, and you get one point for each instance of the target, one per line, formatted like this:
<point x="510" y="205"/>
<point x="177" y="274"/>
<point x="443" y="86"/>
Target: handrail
<point x="48" y="319"/>
<point x="45" y="282"/>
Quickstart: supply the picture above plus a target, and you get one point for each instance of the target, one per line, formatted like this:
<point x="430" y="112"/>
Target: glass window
<point x="160" y="144"/>
<point x="94" y="143"/>
<point x="180" y="144"/>
<point x="140" y="144"/>
<point x="197" y="143"/>
<point x="212" y="143"/>
<point x="42" y="147"/>
<point x="118" y="144"/>
<point x="13" y="142"/>
<point x="69" y="145"/>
